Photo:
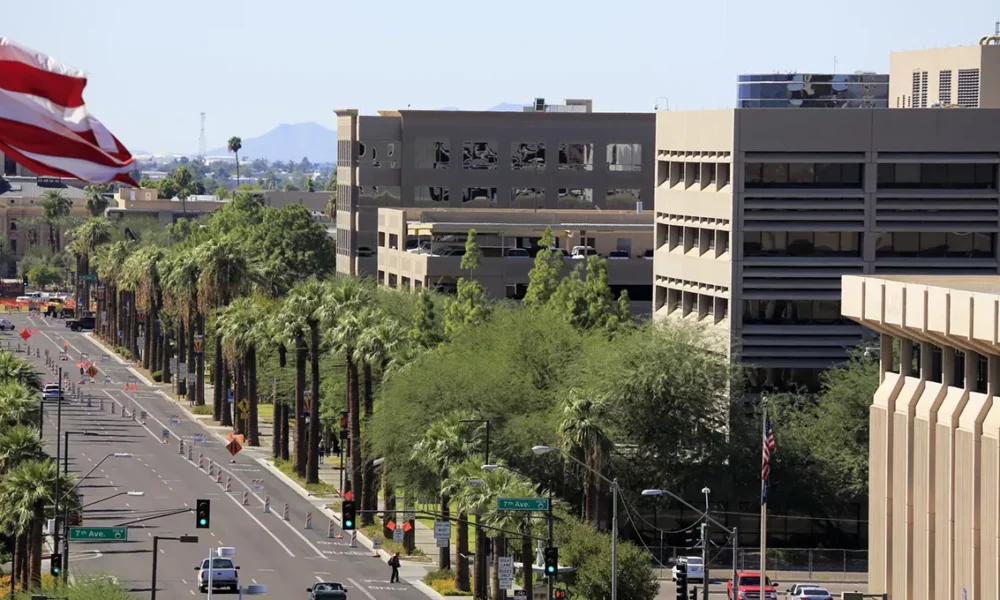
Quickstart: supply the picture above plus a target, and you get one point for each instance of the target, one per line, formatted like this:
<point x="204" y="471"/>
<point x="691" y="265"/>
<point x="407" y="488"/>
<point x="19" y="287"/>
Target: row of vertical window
<point x="896" y="244"/>
<point x="701" y="307"/>
<point x="793" y="312"/>
<point x="701" y="240"/>
<point x="700" y="175"/>
<point x="567" y="198"/>
<point x="524" y="156"/>
<point x="890" y="175"/>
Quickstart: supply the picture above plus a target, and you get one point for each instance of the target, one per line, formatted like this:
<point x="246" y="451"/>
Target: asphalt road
<point x="280" y="554"/>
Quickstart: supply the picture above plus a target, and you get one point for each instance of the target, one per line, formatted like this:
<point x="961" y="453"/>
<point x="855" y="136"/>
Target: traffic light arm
<point x="171" y="513"/>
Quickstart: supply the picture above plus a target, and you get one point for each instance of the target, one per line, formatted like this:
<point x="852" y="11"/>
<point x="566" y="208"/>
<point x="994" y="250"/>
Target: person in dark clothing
<point x="394" y="563"/>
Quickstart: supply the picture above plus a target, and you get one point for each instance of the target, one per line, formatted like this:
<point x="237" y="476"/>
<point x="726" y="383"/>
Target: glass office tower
<point x="813" y="90"/>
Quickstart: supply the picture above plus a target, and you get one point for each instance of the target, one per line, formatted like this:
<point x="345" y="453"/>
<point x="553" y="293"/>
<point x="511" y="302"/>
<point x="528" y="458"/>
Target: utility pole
<point x="184" y="539"/>
<point x="552" y="578"/>
<point x="614" y="539"/>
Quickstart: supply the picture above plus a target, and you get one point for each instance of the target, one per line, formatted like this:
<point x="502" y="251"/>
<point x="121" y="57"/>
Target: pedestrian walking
<point x="394" y="563"/>
<point x="322" y="453"/>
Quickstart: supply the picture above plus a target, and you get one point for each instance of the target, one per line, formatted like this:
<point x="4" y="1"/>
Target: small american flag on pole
<point x="765" y="461"/>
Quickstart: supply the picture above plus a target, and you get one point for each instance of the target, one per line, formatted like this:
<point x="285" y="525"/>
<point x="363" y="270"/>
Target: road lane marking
<point x="363" y="590"/>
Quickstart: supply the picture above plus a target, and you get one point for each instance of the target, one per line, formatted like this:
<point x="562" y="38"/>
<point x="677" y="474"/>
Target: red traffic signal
<point x="560" y="594"/>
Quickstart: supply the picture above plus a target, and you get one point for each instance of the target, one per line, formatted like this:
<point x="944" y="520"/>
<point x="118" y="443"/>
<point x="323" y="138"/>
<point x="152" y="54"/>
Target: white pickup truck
<point x="224" y="575"/>
<point x="695" y="568"/>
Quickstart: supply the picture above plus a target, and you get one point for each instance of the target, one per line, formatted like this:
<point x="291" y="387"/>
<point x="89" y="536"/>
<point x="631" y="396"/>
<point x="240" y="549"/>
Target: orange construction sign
<point x="234" y="447"/>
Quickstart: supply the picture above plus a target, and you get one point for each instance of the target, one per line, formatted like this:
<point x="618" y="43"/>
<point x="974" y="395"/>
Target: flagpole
<point x="763" y="510"/>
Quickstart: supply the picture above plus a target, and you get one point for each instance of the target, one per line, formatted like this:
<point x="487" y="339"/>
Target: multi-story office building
<point x="760" y="212"/>
<point x="538" y="159"/>
<point x="934" y="490"/>
<point x="21" y="210"/>
<point x="962" y="76"/>
<point x="813" y="90"/>
<point x="422" y="248"/>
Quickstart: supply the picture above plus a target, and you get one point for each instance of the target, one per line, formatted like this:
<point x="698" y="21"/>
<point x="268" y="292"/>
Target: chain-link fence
<point x="820" y="564"/>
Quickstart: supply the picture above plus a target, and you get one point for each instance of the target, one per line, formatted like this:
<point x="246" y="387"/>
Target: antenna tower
<point x="201" y="139"/>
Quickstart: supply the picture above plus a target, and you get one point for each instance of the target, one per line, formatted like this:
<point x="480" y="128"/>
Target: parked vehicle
<point x="6" y="325"/>
<point x="583" y="252"/>
<point x="365" y="252"/>
<point x="648" y="254"/>
<point x="224" y="575"/>
<point x="450" y="251"/>
<point x="418" y="246"/>
<point x="517" y="253"/>
<point x="618" y="255"/>
<point x="81" y="324"/>
<point x="748" y="587"/>
<point x="810" y="593"/>
<point x="327" y="590"/>
<point x="694" y="566"/>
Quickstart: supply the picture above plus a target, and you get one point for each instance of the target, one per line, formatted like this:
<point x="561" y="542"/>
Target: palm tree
<point x="182" y="287"/>
<point x="143" y="276"/>
<point x="19" y="443"/>
<point x="584" y="435"/>
<point x="235" y="144"/>
<point x="457" y="485"/>
<point x="225" y="274"/>
<point x="291" y="325"/>
<point x="18" y="406"/>
<point x="241" y="325"/>
<point x="109" y="260"/>
<point x="309" y="297"/>
<point x="443" y="446"/>
<point x="278" y="333"/>
<point x="87" y="238"/>
<point x="16" y="370"/>
<point x="96" y="201"/>
<point x="55" y="208"/>
<point x="513" y="485"/>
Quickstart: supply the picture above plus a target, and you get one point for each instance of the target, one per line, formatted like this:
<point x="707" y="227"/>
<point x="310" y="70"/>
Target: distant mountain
<point x="507" y="107"/>
<point x="290" y="142"/>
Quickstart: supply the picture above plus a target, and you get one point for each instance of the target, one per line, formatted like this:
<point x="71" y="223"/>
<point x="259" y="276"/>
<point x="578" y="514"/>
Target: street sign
<point x="307" y="393"/>
<point x="377" y="544"/>
<point x="234" y="447"/>
<point x="506" y="572"/>
<point x="518" y="594"/>
<point x="25" y="334"/>
<point x="166" y="434"/>
<point x="540" y="504"/>
<point x="182" y="370"/>
<point x="88" y="277"/>
<point x="181" y="376"/>
<point x="175" y="419"/>
<point x="244" y="404"/>
<point x="98" y="534"/>
<point x="442" y="533"/>
<point x="92" y="371"/>
<point x="192" y="378"/>
<point x="397" y="534"/>
<point x="199" y="343"/>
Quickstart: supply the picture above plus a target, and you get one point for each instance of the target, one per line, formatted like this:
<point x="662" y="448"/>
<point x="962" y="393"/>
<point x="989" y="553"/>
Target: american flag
<point x="765" y="461"/>
<point x="45" y="125"/>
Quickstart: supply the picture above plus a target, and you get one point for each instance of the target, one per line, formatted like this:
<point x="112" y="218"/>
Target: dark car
<point x="327" y="590"/>
<point x="81" y="324"/>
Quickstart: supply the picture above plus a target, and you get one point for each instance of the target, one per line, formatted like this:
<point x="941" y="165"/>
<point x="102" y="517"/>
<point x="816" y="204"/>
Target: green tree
<point x="473" y="253"/>
<point x="425" y="331"/>
<point x="19" y="371"/>
<point x="42" y="276"/>
<point x="310" y="185"/>
<point x="55" y="208"/>
<point x="543" y="279"/>
<point x="331" y="183"/>
<point x="290" y="187"/>
<point x="583" y="431"/>
<point x="18" y="406"/>
<point x="235" y="144"/>
<point x="87" y="238"/>
<point x="310" y="296"/>
<point x="96" y="199"/>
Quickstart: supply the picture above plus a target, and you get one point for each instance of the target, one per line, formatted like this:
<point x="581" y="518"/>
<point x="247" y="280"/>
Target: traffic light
<point x="551" y="561"/>
<point x="693" y="594"/>
<point x="348" y="515"/>
<point x="203" y="514"/>
<point x="560" y="594"/>
<point x="55" y="564"/>
<point x="681" y="588"/>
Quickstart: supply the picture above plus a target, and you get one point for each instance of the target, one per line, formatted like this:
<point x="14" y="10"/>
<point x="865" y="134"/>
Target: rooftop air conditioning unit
<point x="539" y="104"/>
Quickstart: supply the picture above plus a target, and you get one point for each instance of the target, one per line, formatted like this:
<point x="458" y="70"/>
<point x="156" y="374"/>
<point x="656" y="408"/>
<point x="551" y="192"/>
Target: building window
<point x="13" y="225"/>
<point x="381" y="239"/>
<point x="527" y="156"/>
<point x="432" y="154"/>
<point x="13" y="247"/>
<point x="479" y="197"/>
<point x="574" y="156"/>
<point x="528" y="197"/>
<point x="916" y="87"/>
<point x="801" y="243"/>
<point x="393" y="241"/>
<point x="693" y="172"/>
<point x="964" y="176"/>
<point x="934" y="244"/>
<point x="576" y="198"/>
<point x="624" y="157"/>
<point x="723" y="243"/>
<point x="923" y="89"/>
<point x="430" y="196"/>
<point x="793" y="312"/>
<point x="479" y="155"/>
<point x="9" y="166"/>
<point x="968" y="88"/>
<point x="709" y="173"/>
<point x="802" y="175"/>
<point x="944" y="87"/>
<point x="622" y="199"/>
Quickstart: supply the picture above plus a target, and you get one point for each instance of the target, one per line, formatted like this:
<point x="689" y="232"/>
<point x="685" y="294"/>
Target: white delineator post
<point x="309" y="520"/>
<point x="284" y="512"/>
<point x="267" y="503"/>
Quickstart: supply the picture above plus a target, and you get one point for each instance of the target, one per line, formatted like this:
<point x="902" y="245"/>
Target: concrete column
<point x="947" y="366"/>
<point x="993" y="376"/>
<point x="906" y="357"/>
<point x="885" y="356"/>
<point x="971" y="370"/>
<point x="926" y="360"/>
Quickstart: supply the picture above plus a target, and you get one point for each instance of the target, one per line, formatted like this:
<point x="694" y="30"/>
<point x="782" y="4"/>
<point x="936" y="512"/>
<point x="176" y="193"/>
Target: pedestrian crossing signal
<point x="560" y="594"/>
<point x="348" y="515"/>
<point x="203" y="514"/>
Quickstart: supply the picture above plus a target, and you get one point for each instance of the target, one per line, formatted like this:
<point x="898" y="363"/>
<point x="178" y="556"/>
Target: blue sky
<point x="253" y="64"/>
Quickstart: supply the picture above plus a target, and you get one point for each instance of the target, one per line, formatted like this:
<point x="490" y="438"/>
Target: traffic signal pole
<point x="552" y="578"/>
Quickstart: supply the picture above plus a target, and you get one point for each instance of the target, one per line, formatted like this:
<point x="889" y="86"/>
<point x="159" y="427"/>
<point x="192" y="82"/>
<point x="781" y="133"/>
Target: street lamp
<point x="184" y="539"/>
<point x="704" y="515"/>
<point x="539" y="450"/>
<point x="66" y="435"/>
<point x="132" y="493"/>
<point x="530" y="572"/>
<point x="704" y="545"/>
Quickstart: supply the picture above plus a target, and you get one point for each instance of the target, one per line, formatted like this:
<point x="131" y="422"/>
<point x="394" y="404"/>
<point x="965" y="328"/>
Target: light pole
<point x="708" y="519"/>
<point x="59" y="402"/>
<point x="184" y="539"/>
<point x="481" y="543"/>
<point x="614" y="510"/>
<point x="66" y="435"/>
<point x="132" y="493"/>
<point x="704" y="547"/>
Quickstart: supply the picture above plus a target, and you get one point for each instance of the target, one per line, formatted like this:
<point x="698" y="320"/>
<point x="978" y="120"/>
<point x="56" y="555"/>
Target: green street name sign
<point x="523" y="504"/>
<point x="88" y="277"/>
<point x="98" y="534"/>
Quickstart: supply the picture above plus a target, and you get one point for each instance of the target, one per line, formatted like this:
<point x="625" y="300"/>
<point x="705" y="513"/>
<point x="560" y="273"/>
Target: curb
<point x="111" y="353"/>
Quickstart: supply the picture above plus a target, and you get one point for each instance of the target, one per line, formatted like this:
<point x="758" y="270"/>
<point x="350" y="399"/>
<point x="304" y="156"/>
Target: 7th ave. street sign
<point x="540" y="504"/>
<point x="98" y="534"/>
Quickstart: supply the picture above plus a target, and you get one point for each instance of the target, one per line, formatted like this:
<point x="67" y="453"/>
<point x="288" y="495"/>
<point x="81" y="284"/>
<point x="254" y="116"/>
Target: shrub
<point x="443" y="582"/>
<point x="157" y="376"/>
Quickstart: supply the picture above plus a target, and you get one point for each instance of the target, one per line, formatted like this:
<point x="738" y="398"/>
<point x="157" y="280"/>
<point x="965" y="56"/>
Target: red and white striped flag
<point x="45" y="126"/>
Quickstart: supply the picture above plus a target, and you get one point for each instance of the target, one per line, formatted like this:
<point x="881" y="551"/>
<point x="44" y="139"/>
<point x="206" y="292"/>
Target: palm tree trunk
<point x="355" y="422"/>
<point x="239" y="395"/>
<point x="147" y="341"/>
<point x="276" y="430"/>
<point x="217" y="380"/>
<point x="444" y="556"/>
<point x="285" y="431"/>
<point x="181" y="339"/>
<point x="498" y="549"/>
<point x="368" y="494"/>
<point x="527" y="560"/>
<point x="227" y="409"/>
<point x="199" y="398"/>
<point x="15" y="557"/>
<point x="390" y="500"/>
<point x="312" y="468"/>
<point x="192" y="385"/>
<point x="253" y="429"/>
<point x="25" y="558"/>
<point x="167" y="352"/>
<point x="35" y="565"/>
<point x="461" y="551"/>
<point x="300" y="421"/>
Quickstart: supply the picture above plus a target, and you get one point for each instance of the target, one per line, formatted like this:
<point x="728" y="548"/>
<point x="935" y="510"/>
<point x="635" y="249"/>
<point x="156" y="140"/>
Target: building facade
<point x="760" y="212"/>
<point x="415" y="247"/>
<point x="21" y="212"/>
<point x="962" y="76"/>
<point x="934" y="490"/>
<point x="813" y="90"/>
<point x="543" y="159"/>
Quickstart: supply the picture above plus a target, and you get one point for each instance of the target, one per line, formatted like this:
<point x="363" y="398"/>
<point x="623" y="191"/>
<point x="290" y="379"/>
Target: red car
<point x="748" y="587"/>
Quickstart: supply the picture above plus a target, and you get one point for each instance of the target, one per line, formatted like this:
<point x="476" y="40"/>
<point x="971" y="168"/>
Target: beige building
<point x="422" y="248"/>
<point x="963" y="76"/>
<point x="145" y="202"/>
<point x="21" y="210"/>
<point x="934" y="515"/>
<point x="760" y="212"/>
<point x="556" y="157"/>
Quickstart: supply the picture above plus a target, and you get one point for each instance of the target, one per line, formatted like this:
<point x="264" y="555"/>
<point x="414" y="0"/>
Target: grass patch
<point x="375" y="531"/>
<point x="443" y="582"/>
<point x="200" y="410"/>
<point x="265" y="413"/>
<point x="93" y="587"/>
<point x="317" y="489"/>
